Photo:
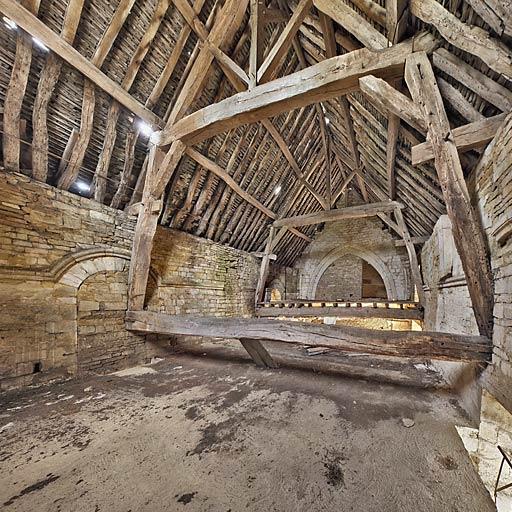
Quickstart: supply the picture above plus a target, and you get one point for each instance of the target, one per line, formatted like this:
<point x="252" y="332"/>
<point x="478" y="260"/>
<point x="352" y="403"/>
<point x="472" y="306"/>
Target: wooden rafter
<point x="17" y="86"/>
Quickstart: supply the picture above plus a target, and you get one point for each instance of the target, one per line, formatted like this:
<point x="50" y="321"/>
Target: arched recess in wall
<point x="276" y="288"/>
<point x="91" y="288"/>
<point x="393" y="291"/>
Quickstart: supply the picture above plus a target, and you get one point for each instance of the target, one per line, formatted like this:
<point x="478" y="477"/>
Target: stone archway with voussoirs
<point x="393" y="289"/>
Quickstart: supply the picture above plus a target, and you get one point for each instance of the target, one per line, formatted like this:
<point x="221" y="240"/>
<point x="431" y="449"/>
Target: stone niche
<point x="354" y="258"/>
<point x="64" y="266"/>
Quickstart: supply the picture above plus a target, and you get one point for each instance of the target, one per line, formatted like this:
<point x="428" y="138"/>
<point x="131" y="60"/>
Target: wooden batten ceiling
<point x="290" y="164"/>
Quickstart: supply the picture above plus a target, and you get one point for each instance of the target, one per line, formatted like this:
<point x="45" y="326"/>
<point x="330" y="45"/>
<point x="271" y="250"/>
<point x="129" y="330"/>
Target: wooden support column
<point x="413" y="259"/>
<point x="467" y="232"/>
<point x="265" y="261"/>
<point x="145" y="230"/>
<point x="258" y="353"/>
<point x="16" y="92"/>
<point x="257" y="41"/>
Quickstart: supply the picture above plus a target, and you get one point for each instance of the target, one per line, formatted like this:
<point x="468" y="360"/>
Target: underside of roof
<point x="286" y="170"/>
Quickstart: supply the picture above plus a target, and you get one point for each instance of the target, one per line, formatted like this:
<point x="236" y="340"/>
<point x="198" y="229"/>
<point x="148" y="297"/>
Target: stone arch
<point x="392" y="290"/>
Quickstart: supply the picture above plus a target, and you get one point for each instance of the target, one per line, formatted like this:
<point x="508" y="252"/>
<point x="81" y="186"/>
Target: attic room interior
<point x="256" y="255"/>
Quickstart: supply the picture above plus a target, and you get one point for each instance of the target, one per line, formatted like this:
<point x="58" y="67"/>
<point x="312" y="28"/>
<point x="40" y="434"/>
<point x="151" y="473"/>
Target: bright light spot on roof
<point x="145" y="129"/>
<point x="9" y="23"/>
<point x="40" y="44"/>
<point x="82" y="186"/>
<point x="327" y="120"/>
<point x="277" y="190"/>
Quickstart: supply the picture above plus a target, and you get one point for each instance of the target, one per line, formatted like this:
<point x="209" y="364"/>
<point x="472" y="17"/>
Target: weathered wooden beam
<point x="344" y="184"/>
<point x="257" y="40"/>
<point x="145" y="230"/>
<point x="47" y="81"/>
<point x="328" y="79"/>
<point x="467" y="232"/>
<point x="470" y="38"/>
<point x="352" y="212"/>
<point x="340" y="312"/>
<point x="496" y="13"/>
<point x="485" y="87"/>
<point x="466" y="137"/>
<point x="414" y="344"/>
<point x="388" y="99"/>
<point x="455" y="100"/>
<point x="353" y="22"/>
<point x="265" y="262"/>
<point x="278" y="52"/>
<point x="396" y="19"/>
<point x="31" y="24"/>
<point x="228" y="65"/>
<point x="391" y="150"/>
<point x="70" y="172"/>
<point x="417" y="240"/>
<point x="413" y="259"/>
<point x="16" y="90"/>
<point x="99" y="186"/>
<point x="258" y="353"/>
<point x="226" y="178"/>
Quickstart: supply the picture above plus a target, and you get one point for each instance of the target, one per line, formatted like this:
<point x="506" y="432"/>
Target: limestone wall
<point x="364" y="238"/>
<point x="63" y="272"/>
<point x="448" y="304"/>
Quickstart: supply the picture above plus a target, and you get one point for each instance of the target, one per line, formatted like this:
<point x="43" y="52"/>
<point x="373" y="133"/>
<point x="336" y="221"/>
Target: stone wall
<point x="63" y="271"/>
<point x="364" y="238"/>
<point x="342" y="280"/>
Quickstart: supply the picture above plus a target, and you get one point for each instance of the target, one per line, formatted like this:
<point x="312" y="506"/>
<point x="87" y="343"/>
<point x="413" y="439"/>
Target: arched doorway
<point x="350" y="278"/>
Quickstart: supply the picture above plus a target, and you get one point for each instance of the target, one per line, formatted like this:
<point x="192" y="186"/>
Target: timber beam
<point x="328" y="79"/>
<point x="414" y="344"/>
<point x="467" y="232"/>
<point x="352" y="212"/>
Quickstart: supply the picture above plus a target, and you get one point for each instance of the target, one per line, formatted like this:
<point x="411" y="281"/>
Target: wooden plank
<point x="467" y="137"/>
<point x="352" y="212"/>
<point x="470" y="38"/>
<point x="496" y="13"/>
<point x="353" y="22"/>
<point x="278" y="52"/>
<point x="431" y="345"/>
<point x="467" y="232"/>
<point x="31" y="24"/>
<point x="258" y="353"/>
<point x="47" y="81"/>
<point x="16" y="90"/>
<point x="343" y="312"/>
<point x="327" y="79"/>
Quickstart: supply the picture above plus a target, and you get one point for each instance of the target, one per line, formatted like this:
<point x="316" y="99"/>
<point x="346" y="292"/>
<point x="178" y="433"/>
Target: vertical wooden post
<point x="257" y="40"/>
<point x="413" y="259"/>
<point x="144" y="234"/>
<point x="467" y="232"/>
<point x="260" y="287"/>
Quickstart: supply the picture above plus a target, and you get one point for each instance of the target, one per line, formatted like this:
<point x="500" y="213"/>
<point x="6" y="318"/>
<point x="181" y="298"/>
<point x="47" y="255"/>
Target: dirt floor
<point x="199" y="434"/>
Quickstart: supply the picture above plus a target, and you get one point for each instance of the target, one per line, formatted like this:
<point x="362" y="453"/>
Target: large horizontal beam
<point x="420" y="344"/>
<point x="352" y="212"/>
<point x="36" y="28"/>
<point x="466" y="137"/>
<point x="326" y="80"/>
